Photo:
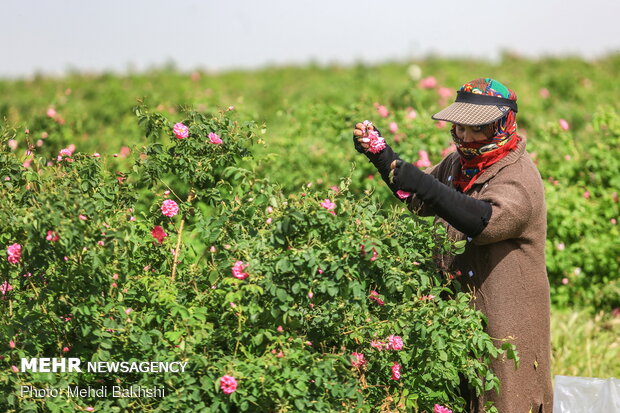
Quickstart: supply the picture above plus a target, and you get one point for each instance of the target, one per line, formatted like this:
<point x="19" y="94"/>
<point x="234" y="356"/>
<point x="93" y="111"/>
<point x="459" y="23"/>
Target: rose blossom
<point x="440" y="409"/>
<point x="329" y="206"/>
<point x="180" y="131"/>
<point x="228" y="384"/>
<point x="14" y="253"/>
<point x="169" y="208"/>
<point x="403" y="194"/>
<point x="444" y="92"/>
<point x="158" y="233"/>
<point x="428" y="82"/>
<point x="214" y="138"/>
<point x="395" y="342"/>
<point x="375" y="296"/>
<point x="52" y="236"/>
<point x="358" y="360"/>
<point x="377" y="143"/>
<point x="379" y="345"/>
<point x="564" y="124"/>
<point x="5" y="287"/>
<point x="383" y="112"/>
<point x="395" y="371"/>
<point x="423" y="162"/>
<point x="237" y="270"/>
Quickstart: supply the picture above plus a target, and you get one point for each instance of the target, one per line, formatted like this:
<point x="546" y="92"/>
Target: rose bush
<point x="314" y="300"/>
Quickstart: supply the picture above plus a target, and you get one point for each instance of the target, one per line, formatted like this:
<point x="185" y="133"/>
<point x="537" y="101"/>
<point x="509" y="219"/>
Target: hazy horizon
<point x="73" y="36"/>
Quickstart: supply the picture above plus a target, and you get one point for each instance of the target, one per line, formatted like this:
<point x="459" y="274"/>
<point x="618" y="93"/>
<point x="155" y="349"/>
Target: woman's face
<point x="473" y="133"/>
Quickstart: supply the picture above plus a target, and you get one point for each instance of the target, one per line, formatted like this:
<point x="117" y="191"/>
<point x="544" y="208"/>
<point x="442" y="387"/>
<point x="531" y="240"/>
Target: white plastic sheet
<point x="586" y="395"/>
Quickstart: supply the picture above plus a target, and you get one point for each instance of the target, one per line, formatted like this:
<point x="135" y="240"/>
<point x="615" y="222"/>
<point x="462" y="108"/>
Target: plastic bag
<point x="585" y="395"/>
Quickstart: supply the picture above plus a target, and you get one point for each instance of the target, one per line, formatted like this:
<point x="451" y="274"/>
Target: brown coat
<point x="504" y="267"/>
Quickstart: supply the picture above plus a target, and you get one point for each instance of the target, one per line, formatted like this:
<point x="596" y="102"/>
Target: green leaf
<point x="282" y="294"/>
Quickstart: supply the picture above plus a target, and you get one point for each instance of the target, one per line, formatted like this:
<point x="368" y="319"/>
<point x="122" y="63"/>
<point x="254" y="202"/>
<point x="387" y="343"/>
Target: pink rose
<point x="214" y="138"/>
<point x="375" y="296"/>
<point x="52" y="236"/>
<point x="403" y="194"/>
<point x="357" y="360"/>
<point x="329" y="205"/>
<point x="444" y="92"/>
<point x="395" y="342"/>
<point x="564" y="124"/>
<point x="423" y="162"/>
<point x="428" y="82"/>
<point x="377" y="143"/>
<point x="180" y="131"/>
<point x="395" y="371"/>
<point x="169" y="208"/>
<point x="393" y="127"/>
<point x="14" y="253"/>
<point x="228" y="384"/>
<point x="440" y="409"/>
<point x="158" y="233"/>
<point x="383" y="112"/>
<point x="237" y="270"/>
<point x="379" y="345"/>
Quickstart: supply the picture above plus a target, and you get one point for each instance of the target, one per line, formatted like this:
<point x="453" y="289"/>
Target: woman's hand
<point x="404" y="175"/>
<point x="360" y="136"/>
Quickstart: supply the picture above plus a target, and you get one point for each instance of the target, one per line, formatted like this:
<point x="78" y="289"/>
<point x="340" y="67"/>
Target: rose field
<point x="225" y="220"/>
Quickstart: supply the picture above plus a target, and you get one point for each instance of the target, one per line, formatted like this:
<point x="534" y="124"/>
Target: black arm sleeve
<point x="382" y="162"/>
<point x="467" y="214"/>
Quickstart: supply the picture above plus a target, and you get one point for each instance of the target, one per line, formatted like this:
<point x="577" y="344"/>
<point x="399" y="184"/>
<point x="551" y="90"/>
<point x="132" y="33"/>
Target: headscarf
<point x="476" y="157"/>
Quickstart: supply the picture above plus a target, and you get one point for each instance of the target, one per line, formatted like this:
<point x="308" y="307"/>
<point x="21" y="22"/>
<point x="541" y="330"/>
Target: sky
<point x="61" y="36"/>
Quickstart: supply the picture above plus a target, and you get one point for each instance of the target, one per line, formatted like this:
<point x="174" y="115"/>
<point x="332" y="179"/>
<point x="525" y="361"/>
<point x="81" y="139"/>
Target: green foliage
<point x="93" y="283"/>
<point x="256" y="198"/>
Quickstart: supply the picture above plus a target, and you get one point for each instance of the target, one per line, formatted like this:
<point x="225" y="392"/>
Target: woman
<point x="490" y="193"/>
